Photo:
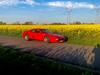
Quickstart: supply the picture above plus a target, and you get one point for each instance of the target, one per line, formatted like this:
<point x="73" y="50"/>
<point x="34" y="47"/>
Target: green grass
<point x="13" y="61"/>
<point x="90" y="42"/>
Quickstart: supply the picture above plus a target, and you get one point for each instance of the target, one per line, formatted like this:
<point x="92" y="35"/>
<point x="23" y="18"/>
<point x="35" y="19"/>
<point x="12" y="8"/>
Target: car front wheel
<point x="46" y="39"/>
<point x="27" y="37"/>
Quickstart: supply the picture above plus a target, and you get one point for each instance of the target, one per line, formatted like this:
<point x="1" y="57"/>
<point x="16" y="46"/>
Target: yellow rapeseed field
<point x="54" y="27"/>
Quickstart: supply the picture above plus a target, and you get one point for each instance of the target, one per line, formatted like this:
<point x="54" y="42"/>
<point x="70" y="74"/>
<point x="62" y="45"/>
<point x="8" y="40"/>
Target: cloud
<point x="8" y="2"/>
<point x="64" y="4"/>
<point x="70" y="4"/>
<point x="30" y="2"/>
<point x="16" y="2"/>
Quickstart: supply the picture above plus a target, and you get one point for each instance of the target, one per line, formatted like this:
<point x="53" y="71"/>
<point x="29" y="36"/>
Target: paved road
<point x="76" y="54"/>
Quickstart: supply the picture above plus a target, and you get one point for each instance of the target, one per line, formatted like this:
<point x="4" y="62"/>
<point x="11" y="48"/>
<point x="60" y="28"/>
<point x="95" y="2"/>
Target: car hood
<point x="57" y="35"/>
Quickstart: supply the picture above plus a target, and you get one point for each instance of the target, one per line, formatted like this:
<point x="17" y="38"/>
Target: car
<point x="42" y="35"/>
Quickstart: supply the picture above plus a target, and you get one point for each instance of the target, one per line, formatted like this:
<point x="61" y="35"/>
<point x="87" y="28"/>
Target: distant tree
<point x="77" y="22"/>
<point x="2" y="23"/>
<point x="28" y="23"/>
<point x="88" y="23"/>
<point x="91" y="23"/>
<point x="16" y="23"/>
<point x="57" y="23"/>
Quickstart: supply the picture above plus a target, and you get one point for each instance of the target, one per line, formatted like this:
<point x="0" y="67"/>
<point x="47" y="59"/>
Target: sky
<point x="48" y="11"/>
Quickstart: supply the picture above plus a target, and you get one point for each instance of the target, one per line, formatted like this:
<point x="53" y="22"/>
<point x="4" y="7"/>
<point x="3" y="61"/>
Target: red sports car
<point x="43" y="35"/>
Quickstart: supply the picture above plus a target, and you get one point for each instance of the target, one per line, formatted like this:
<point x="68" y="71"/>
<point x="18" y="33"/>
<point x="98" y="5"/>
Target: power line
<point x="97" y="9"/>
<point x="69" y="14"/>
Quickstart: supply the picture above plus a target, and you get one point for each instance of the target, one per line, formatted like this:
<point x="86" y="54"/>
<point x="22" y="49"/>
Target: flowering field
<point x="77" y="34"/>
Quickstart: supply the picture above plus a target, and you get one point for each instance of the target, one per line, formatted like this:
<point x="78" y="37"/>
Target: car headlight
<point x="57" y="39"/>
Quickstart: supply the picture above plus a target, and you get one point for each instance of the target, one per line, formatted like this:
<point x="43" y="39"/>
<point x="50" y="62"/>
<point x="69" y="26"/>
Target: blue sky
<point x="47" y="11"/>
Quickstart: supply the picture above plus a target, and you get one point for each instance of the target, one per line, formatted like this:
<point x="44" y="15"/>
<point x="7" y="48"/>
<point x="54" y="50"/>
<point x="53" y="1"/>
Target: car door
<point x="36" y="34"/>
<point x="39" y="35"/>
<point x="33" y="34"/>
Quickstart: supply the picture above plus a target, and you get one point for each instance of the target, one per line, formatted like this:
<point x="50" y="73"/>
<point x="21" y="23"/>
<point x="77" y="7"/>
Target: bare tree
<point x="28" y="23"/>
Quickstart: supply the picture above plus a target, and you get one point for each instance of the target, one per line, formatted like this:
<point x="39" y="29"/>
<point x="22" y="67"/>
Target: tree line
<point x="31" y="23"/>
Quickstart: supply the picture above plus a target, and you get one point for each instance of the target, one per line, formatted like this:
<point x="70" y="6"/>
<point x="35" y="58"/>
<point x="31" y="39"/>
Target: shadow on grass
<point x="12" y="61"/>
<point x="96" y="62"/>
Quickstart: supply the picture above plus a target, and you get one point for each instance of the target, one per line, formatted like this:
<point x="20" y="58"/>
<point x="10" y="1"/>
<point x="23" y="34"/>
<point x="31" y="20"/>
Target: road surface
<point x="75" y="54"/>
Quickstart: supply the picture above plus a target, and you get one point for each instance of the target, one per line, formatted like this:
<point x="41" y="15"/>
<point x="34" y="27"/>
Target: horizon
<point x="48" y="11"/>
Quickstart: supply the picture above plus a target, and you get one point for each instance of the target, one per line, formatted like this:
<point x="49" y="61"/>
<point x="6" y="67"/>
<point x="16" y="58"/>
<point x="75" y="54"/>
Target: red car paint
<point x="40" y="34"/>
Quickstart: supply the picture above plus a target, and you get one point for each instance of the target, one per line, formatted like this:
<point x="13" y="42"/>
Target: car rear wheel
<point x="46" y="39"/>
<point x="27" y="37"/>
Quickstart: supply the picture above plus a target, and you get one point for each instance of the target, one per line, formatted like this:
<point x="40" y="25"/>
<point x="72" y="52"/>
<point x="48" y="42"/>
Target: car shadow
<point x="66" y="38"/>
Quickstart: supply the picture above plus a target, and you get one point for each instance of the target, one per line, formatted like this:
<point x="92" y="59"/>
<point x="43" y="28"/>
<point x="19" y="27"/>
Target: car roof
<point x="39" y="29"/>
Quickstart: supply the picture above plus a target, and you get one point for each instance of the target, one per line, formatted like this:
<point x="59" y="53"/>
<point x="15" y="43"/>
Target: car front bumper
<point x="60" y="40"/>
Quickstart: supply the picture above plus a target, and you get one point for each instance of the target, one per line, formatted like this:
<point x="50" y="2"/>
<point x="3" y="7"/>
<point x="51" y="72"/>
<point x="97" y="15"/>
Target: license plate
<point x="61" y="40"/>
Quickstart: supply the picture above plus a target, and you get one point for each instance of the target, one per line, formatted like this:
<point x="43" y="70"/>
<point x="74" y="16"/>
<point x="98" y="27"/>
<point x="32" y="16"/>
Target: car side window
<point x="33" y="30"/>
<point x="38" y="31"/>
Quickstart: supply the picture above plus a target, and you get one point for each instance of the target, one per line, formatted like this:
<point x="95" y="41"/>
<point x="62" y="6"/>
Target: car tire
<point x="27" y="37"/>
<point x="46" y="39"/>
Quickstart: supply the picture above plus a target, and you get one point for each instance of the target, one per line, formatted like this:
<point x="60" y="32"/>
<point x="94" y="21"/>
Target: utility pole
<point x="69" y="13"/>
<point x="97" y="18"/>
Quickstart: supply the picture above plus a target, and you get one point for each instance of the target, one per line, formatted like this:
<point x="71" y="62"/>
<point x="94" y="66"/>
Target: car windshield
<point x="46" y="30"/>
